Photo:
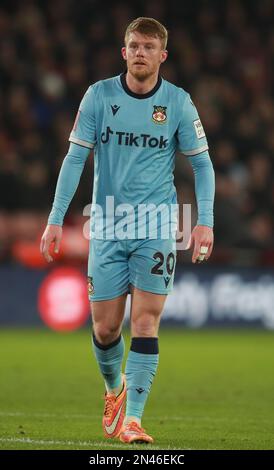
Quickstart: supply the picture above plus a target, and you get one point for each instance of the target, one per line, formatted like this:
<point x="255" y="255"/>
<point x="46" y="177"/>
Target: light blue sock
<point x="141" y="368"/>
<point x="110" y="359"/>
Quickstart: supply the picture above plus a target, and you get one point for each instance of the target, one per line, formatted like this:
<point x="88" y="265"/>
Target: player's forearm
<point x="204" y="187"/>
<point x="68" y="181"/>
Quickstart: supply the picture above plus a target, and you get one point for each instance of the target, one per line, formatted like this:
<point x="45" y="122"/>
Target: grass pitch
<point x="214" y="390"/>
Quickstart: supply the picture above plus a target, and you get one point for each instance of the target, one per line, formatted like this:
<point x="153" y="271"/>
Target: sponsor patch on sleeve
<point x="199" y="129"/>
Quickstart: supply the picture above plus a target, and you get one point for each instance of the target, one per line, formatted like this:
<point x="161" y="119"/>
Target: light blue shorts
<point x="146" y="264"/>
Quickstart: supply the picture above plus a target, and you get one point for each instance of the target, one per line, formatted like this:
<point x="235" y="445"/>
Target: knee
<point x="145" y="325"/>
<point x="106" y="334"/>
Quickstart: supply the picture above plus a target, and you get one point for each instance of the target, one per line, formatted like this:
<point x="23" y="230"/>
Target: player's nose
<point x="139" y="51"/>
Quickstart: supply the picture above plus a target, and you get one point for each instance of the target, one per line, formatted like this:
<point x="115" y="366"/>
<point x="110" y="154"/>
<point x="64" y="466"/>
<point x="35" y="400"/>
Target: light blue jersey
<point x="135" y="138"/>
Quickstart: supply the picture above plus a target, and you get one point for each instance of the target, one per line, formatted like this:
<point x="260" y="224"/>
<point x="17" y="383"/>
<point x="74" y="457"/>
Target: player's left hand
<point x="202" y="239"/>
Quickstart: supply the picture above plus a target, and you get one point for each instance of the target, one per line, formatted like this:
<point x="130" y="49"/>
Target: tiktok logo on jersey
<point x="132" y="140"/>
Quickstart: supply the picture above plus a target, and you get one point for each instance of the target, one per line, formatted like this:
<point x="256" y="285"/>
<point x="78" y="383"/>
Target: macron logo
<point x="140" y="390"/>
<point x="115" y="108"/>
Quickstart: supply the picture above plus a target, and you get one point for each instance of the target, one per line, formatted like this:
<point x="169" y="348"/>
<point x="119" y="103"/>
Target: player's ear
<point x="164" y="55"/>
<point x="124" y="53"/>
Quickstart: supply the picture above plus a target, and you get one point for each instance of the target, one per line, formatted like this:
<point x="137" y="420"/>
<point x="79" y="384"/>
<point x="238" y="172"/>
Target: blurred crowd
<point x="221" y="52"/>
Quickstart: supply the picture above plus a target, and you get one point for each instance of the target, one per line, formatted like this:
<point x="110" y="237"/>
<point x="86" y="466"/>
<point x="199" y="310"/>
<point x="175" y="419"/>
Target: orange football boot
<point x="114" y="412"/>
<point x="132" y="432"/>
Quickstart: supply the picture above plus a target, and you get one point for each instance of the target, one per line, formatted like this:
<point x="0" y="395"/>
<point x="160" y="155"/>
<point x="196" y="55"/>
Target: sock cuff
<point x="105" y="347"/>
<point x="145" y="345"/>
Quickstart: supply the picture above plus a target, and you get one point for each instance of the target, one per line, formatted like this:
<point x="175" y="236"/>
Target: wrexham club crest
<point x="90" y="286"/>
<point x="159" y="114"/>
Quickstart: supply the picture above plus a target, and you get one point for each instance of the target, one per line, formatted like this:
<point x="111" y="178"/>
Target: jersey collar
<point x="139" y="96"/>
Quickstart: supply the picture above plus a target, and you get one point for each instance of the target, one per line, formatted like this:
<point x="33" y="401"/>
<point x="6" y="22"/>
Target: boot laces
<point x="109" y="404"/>
<point x="134" y="426"/>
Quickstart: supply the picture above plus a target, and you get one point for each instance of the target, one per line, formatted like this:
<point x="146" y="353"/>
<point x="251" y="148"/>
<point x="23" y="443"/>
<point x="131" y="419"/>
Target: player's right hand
<point x="52" y="234"/>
